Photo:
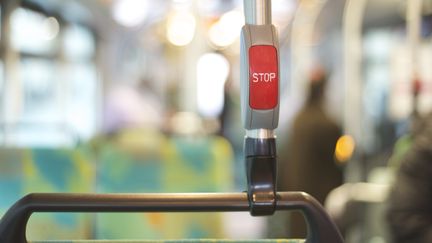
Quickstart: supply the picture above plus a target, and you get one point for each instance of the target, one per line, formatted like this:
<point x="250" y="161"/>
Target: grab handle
<point x="13" y="224"/>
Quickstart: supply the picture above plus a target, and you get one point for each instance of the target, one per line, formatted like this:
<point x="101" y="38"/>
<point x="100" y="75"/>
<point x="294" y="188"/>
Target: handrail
<point x="13" y="224"/>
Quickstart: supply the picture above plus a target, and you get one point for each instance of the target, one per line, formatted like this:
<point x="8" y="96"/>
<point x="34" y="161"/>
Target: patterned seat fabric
<point x="149" y="162"/>
<point x="133" y="161"/>
<point x="23" y="171"/>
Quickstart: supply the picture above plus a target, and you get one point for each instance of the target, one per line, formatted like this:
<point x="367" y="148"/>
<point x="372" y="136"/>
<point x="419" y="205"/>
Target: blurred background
<point x="105" y="96"/>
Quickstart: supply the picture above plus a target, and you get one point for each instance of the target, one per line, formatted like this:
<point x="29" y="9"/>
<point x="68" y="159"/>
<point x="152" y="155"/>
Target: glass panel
<point x="78" y="43"/>
<point x="41" y="122"/>
<point x="39" y="135"/>
<point x="40" y="91"/>
<point x="82" y="98"/>
<point x="58" y="96"/>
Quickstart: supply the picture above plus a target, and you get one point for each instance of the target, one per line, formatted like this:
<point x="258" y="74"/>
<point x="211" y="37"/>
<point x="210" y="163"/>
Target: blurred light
<point x="130" y="12"/>
<point x="283" y="6"/>
<point x="226" y="31"/>
<point x="283" y="11"/>
<point x="339" y="197"/>
<point x="369" y="192"/>
<point x="186" y="123"/>
<point x="208" y="7"/>
<point x="78" y="43"/>
<point x="51" y="29"/>
<point x="126" y="107"/>
<point x="1" y="75"/>
<point x="344" y="148"/>
<point x="212" y="72"/>
<point x="181" y="28"/>
<point x="249" y="228"/>
<point x="32" y="31"/>
<point x="181" y="1"/>
<point x="181" y="5"/>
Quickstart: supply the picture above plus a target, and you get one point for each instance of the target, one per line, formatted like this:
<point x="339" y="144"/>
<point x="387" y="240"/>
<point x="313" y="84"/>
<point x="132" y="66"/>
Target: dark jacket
<point x="310" y="165"/>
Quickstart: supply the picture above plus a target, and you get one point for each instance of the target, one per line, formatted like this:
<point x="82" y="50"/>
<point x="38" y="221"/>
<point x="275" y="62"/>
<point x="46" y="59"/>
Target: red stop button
<point x="263" y="77"/>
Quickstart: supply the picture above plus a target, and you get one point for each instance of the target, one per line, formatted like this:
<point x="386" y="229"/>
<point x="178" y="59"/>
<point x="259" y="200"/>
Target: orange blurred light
<point x="344" y="148"/>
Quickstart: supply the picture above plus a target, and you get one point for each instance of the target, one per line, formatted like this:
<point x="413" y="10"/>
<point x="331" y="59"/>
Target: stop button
<point x="263" y="77"/>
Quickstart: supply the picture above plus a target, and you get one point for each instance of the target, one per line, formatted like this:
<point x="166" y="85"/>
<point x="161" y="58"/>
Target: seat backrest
<point x="136" y="161"/>
<point x="11" y="177"/>
<point x="167" y="164"/>
<point x="24" y="171"/>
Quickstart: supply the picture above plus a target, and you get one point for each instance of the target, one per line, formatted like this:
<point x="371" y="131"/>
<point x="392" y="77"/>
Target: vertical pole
<point x="352" y="31"/>
<point x="257" y="12"/>
<point x="413" y="15"/>
<point x="12" y="86"/>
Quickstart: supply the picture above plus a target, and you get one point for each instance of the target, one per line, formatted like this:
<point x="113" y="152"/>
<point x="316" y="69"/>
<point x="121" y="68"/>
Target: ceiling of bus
<point x="377" y="12"/>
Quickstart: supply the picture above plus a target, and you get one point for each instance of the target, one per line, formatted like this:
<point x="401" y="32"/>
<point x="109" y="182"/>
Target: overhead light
<point x="226" y="31"/>
<point x="181" y="28"/>
<point x="51" y="28"/>
<point x="130" y="13"/>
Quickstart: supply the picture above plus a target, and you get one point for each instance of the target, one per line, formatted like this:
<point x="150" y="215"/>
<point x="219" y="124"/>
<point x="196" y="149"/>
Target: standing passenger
<point x="311" y="165"/>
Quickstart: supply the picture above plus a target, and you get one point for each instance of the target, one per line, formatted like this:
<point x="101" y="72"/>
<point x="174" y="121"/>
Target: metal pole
<point x="413" y="25"/>
<point x="257" y="12"/>
<point x="353" y="95"/>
